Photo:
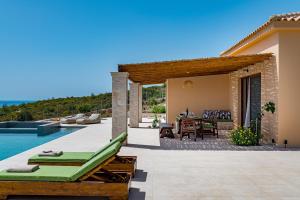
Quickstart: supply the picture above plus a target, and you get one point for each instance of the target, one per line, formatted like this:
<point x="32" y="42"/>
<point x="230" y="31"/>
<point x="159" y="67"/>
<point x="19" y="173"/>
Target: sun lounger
<point x="71" y="119"/>
<point x="93" y="119"/>
<point x="90" y="179"/>
<point x="119" y="164"/>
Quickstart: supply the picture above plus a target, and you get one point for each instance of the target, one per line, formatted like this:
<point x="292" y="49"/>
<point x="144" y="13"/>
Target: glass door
<point x="250" y="99"/>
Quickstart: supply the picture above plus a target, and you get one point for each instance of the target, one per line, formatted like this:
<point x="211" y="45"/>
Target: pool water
<point x="12" y="144"/>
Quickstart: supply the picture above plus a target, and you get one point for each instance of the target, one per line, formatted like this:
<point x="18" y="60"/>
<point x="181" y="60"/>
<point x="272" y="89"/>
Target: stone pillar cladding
<point x="140" y="103"/>
<point x="134" y="105"/>
<point x="119" y="103"/>
<point x="269" y="92"/>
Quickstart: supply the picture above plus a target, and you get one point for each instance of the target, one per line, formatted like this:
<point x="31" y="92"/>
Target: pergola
<point x="158" y="72"/>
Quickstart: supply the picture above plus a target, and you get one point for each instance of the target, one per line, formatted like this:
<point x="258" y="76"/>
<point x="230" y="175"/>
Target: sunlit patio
<point x="189" y="174"/>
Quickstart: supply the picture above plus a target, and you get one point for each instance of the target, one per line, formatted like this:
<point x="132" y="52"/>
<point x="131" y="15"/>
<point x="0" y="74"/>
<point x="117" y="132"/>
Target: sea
<point x="13" y="102"/>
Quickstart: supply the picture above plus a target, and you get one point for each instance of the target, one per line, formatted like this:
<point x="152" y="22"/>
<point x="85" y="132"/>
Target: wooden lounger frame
<point x="118" y="164"/>
<point x="97" y="182"/>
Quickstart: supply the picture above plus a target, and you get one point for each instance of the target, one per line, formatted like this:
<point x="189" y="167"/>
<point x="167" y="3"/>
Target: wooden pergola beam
<point x="159" y="72"/>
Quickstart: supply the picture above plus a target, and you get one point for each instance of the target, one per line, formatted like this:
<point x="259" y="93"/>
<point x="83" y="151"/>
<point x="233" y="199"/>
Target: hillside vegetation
<point x="60" y="107"/>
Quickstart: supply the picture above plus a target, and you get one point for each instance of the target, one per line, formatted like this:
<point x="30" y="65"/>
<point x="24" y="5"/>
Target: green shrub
<point x="24" y="116"/>
<point x="243" y="136"/>
<point x="152" y="101"/>
<point x="84" y="108"/>
<point x="155" y="122"/>
<point x="158" y="109"/>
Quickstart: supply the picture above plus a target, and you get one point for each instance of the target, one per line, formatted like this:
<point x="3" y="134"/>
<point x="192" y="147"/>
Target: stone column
<point x="119" y="103"/>
<point x="140" y="103"/>
<point x="134" y="105"/>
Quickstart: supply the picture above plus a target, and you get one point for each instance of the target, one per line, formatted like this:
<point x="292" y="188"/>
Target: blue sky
<point x="60" y="48"/>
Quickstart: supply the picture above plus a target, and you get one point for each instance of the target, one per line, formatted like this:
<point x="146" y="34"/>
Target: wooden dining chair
<point x="188" y="127"/>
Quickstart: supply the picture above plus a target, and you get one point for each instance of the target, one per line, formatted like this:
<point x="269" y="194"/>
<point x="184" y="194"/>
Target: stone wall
<point x="134" y="105"/>
<point x="119" y="103"/>
<point x="269" y="92"/>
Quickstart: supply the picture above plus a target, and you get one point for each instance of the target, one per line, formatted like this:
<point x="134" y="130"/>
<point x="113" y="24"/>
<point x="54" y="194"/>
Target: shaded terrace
<point x="160" y="72"/>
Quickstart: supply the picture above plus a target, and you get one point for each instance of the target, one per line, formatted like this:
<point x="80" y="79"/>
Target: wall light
<point x="188" y="84"/>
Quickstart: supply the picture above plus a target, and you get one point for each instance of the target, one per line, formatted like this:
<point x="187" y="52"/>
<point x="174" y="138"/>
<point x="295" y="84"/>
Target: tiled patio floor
<point x="166" y="170"/>
<point x="211" y="143"/>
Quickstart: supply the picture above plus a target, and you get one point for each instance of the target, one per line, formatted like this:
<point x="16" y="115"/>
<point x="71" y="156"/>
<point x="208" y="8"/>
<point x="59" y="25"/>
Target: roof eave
<point x="264" y="30"/>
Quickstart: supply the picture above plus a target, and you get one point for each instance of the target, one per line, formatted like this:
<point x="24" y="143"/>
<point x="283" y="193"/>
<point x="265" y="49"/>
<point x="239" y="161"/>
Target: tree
<point x="24" y="116"/>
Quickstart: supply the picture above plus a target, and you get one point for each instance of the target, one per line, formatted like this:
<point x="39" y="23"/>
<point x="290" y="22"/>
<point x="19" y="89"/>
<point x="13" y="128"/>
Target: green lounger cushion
<point x="120" y="138"/>
<point x="80" y="157"/>
<point x="62" y="173"/>
<point x="94" y="162"/>
<point x="44" y="173"/>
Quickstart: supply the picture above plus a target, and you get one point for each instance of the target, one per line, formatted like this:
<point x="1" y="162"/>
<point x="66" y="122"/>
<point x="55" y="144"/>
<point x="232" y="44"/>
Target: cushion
<point x="97" y="160"/>
<point x="44" y="173"/>
<point x="81" y="157"/>
<point x="120" y="138"/>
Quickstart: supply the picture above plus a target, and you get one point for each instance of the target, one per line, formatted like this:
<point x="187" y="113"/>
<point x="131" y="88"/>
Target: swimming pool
<point x="14" y="143"/>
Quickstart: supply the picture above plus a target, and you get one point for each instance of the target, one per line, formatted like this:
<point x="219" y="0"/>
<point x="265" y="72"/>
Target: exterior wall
<point x="269" y="83"/>
<point x="285" y="46"/>
<point x="267" y="44"/>
<point x="202" y="93"/>
<point x="289" y="95"/>
<point x="269" y="92"/>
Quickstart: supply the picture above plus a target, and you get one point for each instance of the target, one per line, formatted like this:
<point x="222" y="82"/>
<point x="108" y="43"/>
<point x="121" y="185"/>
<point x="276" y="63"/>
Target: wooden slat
<point x="159" y="72"/>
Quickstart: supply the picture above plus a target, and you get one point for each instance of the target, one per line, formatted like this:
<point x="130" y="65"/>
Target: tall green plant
<point x="255" y="124"/>
<point x="155" y="122"/>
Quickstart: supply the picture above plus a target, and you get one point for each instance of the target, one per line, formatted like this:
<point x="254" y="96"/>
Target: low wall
<point x="46" y="129"/>
<point x="225" y="125"/>
<point x="40" y="128"/>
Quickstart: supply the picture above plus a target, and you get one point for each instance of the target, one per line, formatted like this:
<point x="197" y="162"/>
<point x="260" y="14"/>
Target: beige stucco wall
<point x="289" y="95"/>
<point x="205" y="92"/>
<point x="266" y="44"/>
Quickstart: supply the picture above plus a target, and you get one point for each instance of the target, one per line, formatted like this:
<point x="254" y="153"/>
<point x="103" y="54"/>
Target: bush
<point x="24" y="116"/>
<point x="155" y="122"/>
<point x="243" y="136"/>
<point x="158" y="109"/>
<point x="152" y="101"/>
<point x="84" y="108"/>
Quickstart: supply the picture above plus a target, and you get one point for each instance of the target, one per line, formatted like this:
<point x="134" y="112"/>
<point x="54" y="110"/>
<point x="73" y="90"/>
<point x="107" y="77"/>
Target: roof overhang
<point x="290" y="21"/>
<point x="159" y="72"/>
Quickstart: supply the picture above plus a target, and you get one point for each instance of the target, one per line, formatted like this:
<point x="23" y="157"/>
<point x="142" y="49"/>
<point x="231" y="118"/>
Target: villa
<point x="116" y="158"/>
<point x="264" y="66"/>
